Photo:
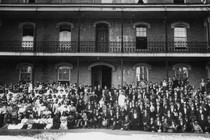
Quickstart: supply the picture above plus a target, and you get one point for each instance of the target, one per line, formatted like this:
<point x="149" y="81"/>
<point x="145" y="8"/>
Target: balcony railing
<point x="103" y="47"/>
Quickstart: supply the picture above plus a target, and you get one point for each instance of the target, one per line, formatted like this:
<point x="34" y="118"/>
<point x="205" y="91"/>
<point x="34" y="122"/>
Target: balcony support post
<point x="121" y="61"/>
<point x="33" y="73"/>
<point x="166" y="40"/>
<point x="166" y="69"/>
<point x="166" y="32"/>
<point x="79" y="28"/>
<point x="208" y="30"/>
<point x="34" y="58"/>
<point x="78" y="63"/>
<point x="122" y="31"/>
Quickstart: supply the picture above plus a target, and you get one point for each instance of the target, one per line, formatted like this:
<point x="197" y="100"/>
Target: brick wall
<point x="45" y="71"/>
<point x="47" y="31"/>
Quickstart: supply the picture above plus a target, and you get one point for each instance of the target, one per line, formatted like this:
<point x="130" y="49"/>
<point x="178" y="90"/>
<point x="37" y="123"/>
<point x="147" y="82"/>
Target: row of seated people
<point x="164" y="107"/>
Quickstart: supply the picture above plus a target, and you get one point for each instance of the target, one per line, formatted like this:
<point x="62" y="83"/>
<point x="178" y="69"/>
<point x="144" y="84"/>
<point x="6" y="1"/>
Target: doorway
<point x="102" y="31"/>
<point x="101" y="75"/>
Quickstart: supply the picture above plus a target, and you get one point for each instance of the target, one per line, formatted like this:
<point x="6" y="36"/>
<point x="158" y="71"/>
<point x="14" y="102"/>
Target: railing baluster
<point x="102" y="47"/>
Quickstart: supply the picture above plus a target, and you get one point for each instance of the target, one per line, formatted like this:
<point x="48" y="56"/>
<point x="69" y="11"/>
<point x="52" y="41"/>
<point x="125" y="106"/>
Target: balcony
<point x="102" y="47"/>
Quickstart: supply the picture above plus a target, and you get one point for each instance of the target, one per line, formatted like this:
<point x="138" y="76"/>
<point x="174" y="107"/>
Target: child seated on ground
<point x="63" y="119"/>
<point x="126" y="123"/>
<point x="197" y="128"/>
<point x="84" y="120"/>
<point x="49" y="122"/>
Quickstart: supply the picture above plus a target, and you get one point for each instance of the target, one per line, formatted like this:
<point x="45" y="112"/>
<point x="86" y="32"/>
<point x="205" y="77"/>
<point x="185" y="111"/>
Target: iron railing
<point x="102" y="47"/>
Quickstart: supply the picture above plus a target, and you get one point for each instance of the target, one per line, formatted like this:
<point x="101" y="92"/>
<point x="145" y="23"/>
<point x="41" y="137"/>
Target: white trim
<point x="148" y="25"/>
<point x="69" y="69"/>
<point x="181" y="65"/>
<point x="103" y="7"/>
<point x="142" y="64"/>
<point x="27" y="23"/>
<point x="208" y="69"/>
<point x="103" y="64"/>
<point x="180" y="23"/>
<point x="148" y="69"/>
<point x="64" y="23"/>
<point x="24" y="64"/>
<point x="185" y="1"/>
<point x="184" y="55"/>
<point x="102" y="21"/>
<point x="63" y="64"/>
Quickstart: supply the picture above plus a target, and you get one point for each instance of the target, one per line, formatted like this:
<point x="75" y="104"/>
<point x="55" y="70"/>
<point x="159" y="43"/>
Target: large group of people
<point x="169" y="106"/>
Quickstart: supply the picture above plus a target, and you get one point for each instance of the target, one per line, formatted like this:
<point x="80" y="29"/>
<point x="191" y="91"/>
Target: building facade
<point x="104" y="42"/>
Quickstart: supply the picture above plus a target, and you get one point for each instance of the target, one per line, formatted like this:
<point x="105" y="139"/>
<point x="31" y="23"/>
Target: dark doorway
<point x="101" y="75"/>
<point x="179" y="1"/>
<point x="102" y="37"/>
<point x="141" y="37"/>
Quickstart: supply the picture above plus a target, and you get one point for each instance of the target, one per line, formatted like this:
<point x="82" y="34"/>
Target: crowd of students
<point x="170" y="106"/>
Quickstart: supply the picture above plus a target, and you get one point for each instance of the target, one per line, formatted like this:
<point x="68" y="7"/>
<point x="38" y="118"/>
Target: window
<point x="181" y="72"/>
<point x="64" y="74"/>
<point x="28" y="36"/>
<point x="28" y="1"/>
<point x="65" y="36"/>
<point x="142" y="73"/>
<point x="179" y="1"/>
<point x="25" y="73"/>
<point x="180" y="37"/>
<point x="207" y="30"/>
<point x="141" y="37"/>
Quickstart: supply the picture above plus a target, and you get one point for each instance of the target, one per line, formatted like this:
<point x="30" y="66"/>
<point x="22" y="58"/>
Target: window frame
<point x="64" y="44"/>
<point x="180" y="44"/>
<point x="181" y="73"/>
<point x="177" y="66"/>
<point x="58" y="73"/>
<point x="20" y="72"/>
<point x="141" y="37"/>
<point x="70" y="31"/>
<point x="148" y="67"/>
<point x="28" y="1"/>
<point x="27" y="44"/>
<point x="185" y="1"/>
<point x="147" y="73"/>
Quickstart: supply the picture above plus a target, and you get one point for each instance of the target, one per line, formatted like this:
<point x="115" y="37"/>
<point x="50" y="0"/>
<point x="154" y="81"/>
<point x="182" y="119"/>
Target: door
<point x="141" y="37"/>
<point x="101" y="75"/>
<point x="102" y="37"/>
<point x="179" y="1"/>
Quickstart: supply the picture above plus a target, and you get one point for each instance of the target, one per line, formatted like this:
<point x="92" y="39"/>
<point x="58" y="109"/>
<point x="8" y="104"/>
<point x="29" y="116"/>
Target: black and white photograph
<point x="104" y="69"/>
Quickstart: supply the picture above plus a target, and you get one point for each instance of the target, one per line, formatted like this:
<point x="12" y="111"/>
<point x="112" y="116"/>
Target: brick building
<point x="104" y="41"/>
